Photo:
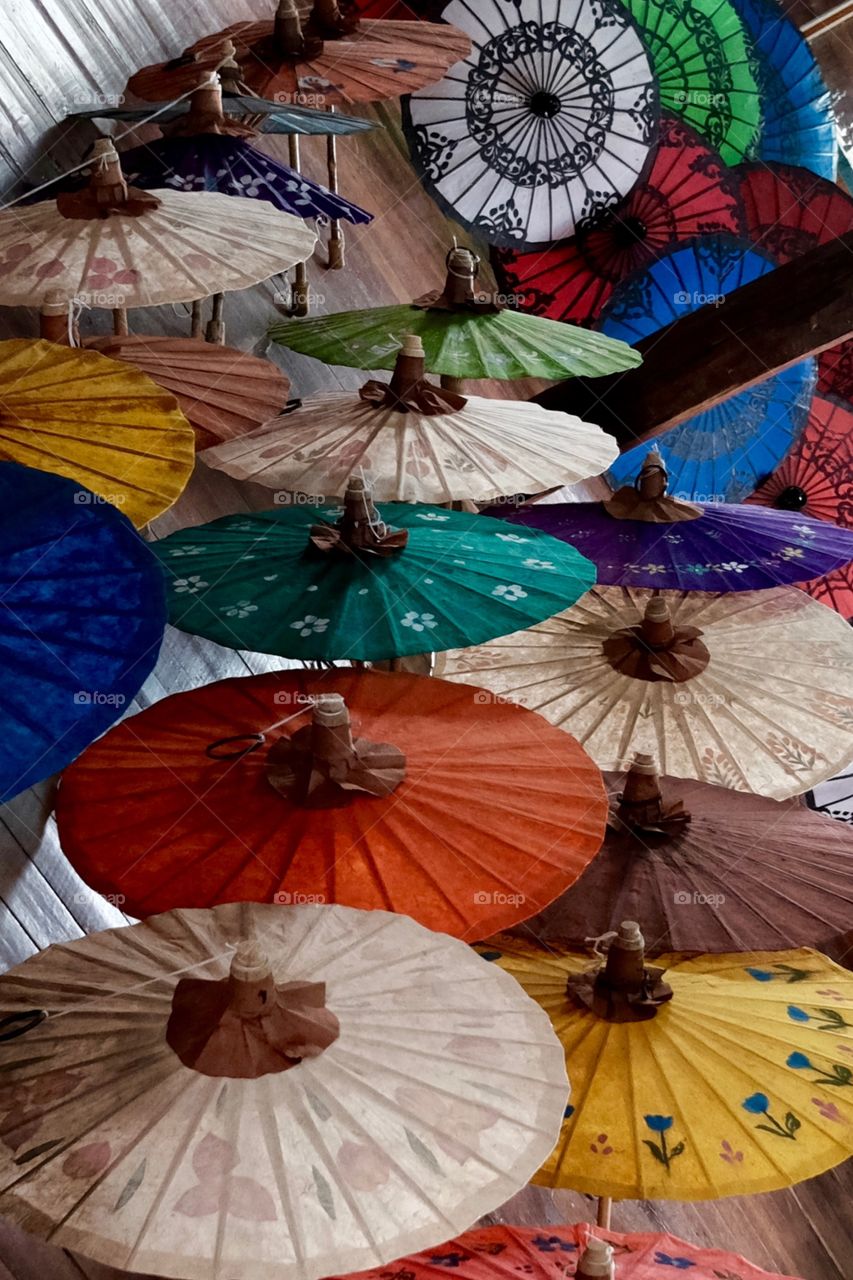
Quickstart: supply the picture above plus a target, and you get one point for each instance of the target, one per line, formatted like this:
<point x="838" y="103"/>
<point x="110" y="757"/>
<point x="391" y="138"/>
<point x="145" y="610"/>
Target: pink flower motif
<point x="16" y="253"/>
<point x="831" y="992"/>
<point x="364" y="1166"/>
<point x="218" y="1191"/>
<point x="88" y="1161"/>
<point x="601" y="1146"/>
<point x="829" y="1111"/>
<point x="729" y="1154"/>
<point x="46" y="270"/>
<point x="197" y="260"/>
<point x="463" y="1122"/>
<point x="18" y="1127"/>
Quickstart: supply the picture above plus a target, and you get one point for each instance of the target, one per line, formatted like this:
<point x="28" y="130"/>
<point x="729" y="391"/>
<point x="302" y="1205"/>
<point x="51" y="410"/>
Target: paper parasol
<point x="221" y="391"/>
<point x="357" y="1088"/>
<point x="751" y="690"/>
<point x="366" y="584"/>
<point x="413" y="442"/>
<point x="232" y="166"/>
<point x="815" y="480"/>
<point x="688" y="191"/>
<point x="643" y="538"/>
<point x="335" y="61"/>
<point x="155" y="247"/>
<point x="466" y="333"/>
<point x="797" y="119"/>
<point x="719" y="455"/>
<point x="551" y="117"/>
<point x="738" y="1083"/>
<point x="788" y="212"/>
<point x="708" y="870"/>
<point x="267" y="117"/>
<point x="81" y="621"/>
<point x="547" y="1253"/>
<point x="106" y="427"/>
<point x="202" y="823"/>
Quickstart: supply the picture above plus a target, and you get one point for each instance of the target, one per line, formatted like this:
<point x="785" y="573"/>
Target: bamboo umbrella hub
<point x="596" y="1262"/>
<point x="623" y="988"/>
<point x="647" y="499"/>
<point x="107" y="192"/>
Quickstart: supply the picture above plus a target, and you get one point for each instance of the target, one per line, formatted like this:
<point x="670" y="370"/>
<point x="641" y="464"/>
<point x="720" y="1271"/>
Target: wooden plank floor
<point x="805" y="1231"/>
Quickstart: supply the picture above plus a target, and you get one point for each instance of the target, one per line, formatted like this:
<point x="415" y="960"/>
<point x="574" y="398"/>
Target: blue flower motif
<point x="553" y="1244"/>
<point x="447" y="1259"/>
<point x="799" y="1062"/>
<point x="490" y="955"/>
<point x="797" y="1015"/>
<point x="664" y="1260"/>
<point x="658" y="1124"/>
<point x="760" y="975"/>
<point x="756" y="1104"/>
<point x="568" y="1113"/>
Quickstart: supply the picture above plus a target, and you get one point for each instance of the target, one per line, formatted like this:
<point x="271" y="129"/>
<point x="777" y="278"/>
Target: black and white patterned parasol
<point x="550" y="118"/>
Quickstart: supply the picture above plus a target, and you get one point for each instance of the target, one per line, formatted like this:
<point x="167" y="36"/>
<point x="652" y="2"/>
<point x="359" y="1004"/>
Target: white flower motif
<point x="538" y="564"/>
<point x="419" y="621"/>
<point x="241" y="609"/>
<point x="792" y="553"/>
<point x="511" y="537"/>
<point x="510" y="592"/>
<point x="189" y="586"/>
<point x="431" y="515"/>
<point x="804" y="529"/>
<point x="310" y="625"/>
<point x="189" y="182"/>
<point x="175" y="552"/>
<point x="672" y="537"/>
<point x="733" y="566"/>
<point x="332" y="513"/>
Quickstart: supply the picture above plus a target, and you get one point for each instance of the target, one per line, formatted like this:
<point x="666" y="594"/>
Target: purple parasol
<point x="643" y="538"/>
<point x="232" y="166"/>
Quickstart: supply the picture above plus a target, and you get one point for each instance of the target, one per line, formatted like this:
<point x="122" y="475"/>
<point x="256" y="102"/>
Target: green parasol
<point x="331" y="583"/>
<point x="701" y="55"/>
<point x="466" y="333"/>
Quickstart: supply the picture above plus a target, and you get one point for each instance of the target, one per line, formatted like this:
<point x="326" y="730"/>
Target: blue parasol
<point x="82" y="614"/>
<point x="722" y="454"/>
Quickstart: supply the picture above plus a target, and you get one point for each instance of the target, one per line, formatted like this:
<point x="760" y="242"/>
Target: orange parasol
<point x="334" y="61"/>
<point x="223" y="793"/>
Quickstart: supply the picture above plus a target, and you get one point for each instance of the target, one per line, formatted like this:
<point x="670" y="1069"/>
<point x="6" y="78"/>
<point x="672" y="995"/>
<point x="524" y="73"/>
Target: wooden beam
<point x="797" y="310"/>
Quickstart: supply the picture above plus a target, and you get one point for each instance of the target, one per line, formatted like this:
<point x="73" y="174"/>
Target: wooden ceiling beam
<point x="798" y="310"/>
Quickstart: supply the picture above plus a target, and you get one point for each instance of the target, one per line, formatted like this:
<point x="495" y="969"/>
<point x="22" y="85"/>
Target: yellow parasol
<point x="715" y="1075"/>
<point x="97" y="422"/>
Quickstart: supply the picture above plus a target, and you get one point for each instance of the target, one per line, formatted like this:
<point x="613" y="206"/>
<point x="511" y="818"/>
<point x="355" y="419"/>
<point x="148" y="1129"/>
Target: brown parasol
<point x="713" y="870"/>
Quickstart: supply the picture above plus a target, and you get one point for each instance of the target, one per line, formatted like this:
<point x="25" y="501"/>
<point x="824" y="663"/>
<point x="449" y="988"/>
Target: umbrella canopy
<point x="797" y="119"/>
<point x="694" y="861"/>
<point x="81" y="619"/>
<point x="156" y="1121"/>
<point x="547" y="120"/>
<point x="814" y="480"/>
<point x="222" y="392"/>
<point x="109" y="247"/>
<point x="722" y="454"/>
<point x="336" y="61"/>
<point x="196" y="785"/>
<point x="109" y="428"/>
<point x="643" y="538"/>
<point x="232" y="166"/>
<point x="725" y="1078"/>
<point x="268" y="117"/>
<point x="789" y="211"/>
<point x="466" y="333"/>
<point x="751" y="690"/>
<point x="377" y="584"/>
<point x="414" y="442"/>
<point x="688" y="191"/>
<point x="703" y="60"/>
<point x="545" y="1253"/>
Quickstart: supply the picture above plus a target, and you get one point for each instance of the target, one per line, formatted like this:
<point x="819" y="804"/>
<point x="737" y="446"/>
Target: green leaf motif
<point x="677" y="1150"/>
<point x="423" y="1152"/>
<point x="318" y="1106"/>
<point x="792" y="1124"/>
<point x="37" y="1151"/>
<point x="832" y="1020"/>
<point x="324" y="1192"/>
<point x="131" y="1187"/>
<point x="655" y="1150"/>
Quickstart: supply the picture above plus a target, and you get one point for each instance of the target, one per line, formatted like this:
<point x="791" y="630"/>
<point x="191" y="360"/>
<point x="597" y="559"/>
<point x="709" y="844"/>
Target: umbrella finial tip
<point x="630" y="935"/>
<point x="330" y="709"/>
<point x="657" y="610"/>
<point x="596" y="1260"/>
<point x="412" y="345"/>
<point x="643" y="762"/>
